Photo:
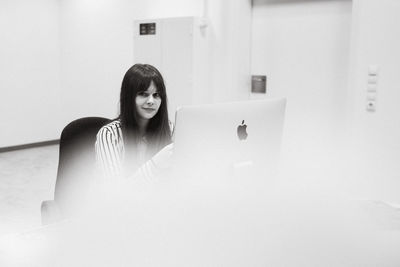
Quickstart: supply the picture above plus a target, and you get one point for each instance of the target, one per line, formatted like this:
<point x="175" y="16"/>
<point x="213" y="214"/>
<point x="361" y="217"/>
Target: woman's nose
<point x="150" y="100"/>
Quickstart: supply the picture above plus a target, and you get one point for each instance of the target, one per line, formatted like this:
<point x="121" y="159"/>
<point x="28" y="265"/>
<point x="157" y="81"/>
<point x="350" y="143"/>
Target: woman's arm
<point x="158" y="164"/>
<point x="109" y="151"/>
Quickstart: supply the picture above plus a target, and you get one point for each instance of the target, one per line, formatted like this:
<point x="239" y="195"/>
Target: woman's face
<point x="148" y="102"/>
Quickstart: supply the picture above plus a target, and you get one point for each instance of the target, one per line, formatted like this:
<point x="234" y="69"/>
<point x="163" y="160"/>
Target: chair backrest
<point x="77" y="162"/>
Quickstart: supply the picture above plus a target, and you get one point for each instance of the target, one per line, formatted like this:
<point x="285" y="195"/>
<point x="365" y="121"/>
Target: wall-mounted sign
<point x="147" y="28"/>
<point x="259" y="84"/>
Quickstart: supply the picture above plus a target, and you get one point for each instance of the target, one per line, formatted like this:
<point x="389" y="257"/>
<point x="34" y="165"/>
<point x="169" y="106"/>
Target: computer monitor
<point x="225" y="139"/>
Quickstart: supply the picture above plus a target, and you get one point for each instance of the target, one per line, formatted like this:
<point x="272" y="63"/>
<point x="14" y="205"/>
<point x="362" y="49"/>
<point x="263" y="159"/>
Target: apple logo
<point x="241" y="131"/>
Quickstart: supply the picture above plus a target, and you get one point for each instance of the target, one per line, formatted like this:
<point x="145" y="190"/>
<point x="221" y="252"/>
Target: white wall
<point x="376" y="40"/>
<point x="75" y="53"/>
<point x="97" y="48"/>
<point x="303" y="47"/>
<point x="231" y="45"/>
<point x="29" y="71"/>
<point x="317" y="53"/>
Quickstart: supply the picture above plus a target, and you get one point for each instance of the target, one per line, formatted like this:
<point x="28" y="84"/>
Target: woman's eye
<point x="144" y="94"/>
<point x="156" y="95"/>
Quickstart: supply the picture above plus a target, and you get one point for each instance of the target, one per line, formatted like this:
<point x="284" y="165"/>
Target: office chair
<point x="76" y="168"/>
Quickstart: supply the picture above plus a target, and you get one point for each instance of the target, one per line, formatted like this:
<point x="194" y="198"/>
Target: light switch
<point x="373" y="70"/>
<point x="371" y="88"/>
<point x="372" y="79"/>
<point x="371" y="96"/>
<point x="371" y="106"/>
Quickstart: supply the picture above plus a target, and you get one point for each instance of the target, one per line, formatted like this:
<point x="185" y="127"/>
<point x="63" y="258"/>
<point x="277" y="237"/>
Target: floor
<point x="27" y="177"/>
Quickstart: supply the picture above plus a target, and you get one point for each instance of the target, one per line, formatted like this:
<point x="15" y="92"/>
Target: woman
<point x="138" y="142"/>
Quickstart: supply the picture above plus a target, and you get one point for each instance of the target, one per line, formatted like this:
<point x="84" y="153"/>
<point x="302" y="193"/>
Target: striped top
<point x="110" y="155"/>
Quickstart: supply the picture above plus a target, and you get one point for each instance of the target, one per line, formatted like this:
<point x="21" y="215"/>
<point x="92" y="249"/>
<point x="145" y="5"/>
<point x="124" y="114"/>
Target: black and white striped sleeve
<point x="109" y="149"/>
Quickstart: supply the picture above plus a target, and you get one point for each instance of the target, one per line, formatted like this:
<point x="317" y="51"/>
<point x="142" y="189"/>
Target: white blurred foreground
<point x="312" y="215"/>
<point x="220" y="224"/>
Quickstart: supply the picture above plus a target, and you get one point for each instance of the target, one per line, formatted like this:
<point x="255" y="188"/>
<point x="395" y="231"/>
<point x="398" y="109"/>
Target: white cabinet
<point x="179" y="48"/>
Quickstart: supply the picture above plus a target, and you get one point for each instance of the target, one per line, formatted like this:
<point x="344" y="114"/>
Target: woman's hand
<point x="163" y="159"/>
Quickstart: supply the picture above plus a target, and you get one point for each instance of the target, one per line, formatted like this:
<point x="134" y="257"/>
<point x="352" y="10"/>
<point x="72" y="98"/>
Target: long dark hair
<point x="158" y="134"/>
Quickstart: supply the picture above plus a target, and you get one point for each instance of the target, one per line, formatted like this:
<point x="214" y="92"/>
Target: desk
<point x="216" y="228"/>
